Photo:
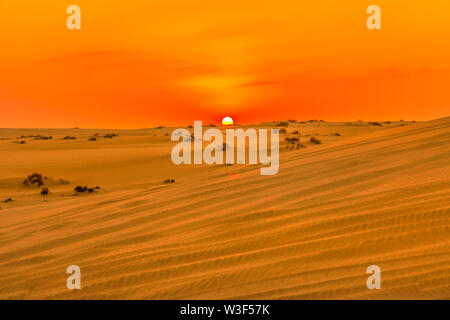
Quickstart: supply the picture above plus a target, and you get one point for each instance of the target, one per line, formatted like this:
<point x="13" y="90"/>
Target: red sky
<point x="144" y="63"/>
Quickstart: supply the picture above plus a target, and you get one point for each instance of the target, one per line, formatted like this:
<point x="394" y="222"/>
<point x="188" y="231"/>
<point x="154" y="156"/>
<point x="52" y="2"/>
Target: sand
<point x="373" y="195"/>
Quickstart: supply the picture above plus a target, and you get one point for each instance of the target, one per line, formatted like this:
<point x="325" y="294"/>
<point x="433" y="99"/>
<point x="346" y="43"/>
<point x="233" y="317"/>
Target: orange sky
<point x="149" y="62"/>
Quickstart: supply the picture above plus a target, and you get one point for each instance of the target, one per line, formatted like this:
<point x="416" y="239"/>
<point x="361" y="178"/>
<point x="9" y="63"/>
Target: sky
<point x="143" y="63"/>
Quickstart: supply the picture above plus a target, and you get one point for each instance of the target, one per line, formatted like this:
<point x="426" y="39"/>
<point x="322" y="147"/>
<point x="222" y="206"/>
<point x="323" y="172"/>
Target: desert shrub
<point x="69" y="138"/>
<point x="337" y="134"/>
<point x="8" y="200"/>
<point x="375" y="124"/>
<point x="39" y="137"/>
<point x="160" y="127"/>
<point x="283" y="124"/>
<point x="315" y="140"/>
<point x="169" y="181"/>
<point x="92" y="139"/>
<point x="387" y="122"/>
<point x="282" y="131"/>
<point x="44" y="191"/>
<point x="20" y="142"/>
<point x="81" y="189"/>
<point x="295" y="132"/>
<point x="34" y="179"/>
<point x="300" y="146"/>
<point x="62" y="181"/>
<point x="292" y="140"/>
<point x="190" y="127"/>
<point x="111" y="135"/>
<point x="225" y="146"/>
<point x="291" y="120"/>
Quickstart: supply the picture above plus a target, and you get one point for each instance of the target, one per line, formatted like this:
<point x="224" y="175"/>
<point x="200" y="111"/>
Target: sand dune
<point x="372" y="196"/>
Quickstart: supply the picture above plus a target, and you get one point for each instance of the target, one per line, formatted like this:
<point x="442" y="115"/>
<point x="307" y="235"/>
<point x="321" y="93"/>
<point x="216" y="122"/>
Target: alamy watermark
<point x="374" y="20"/>
<point x="374" y="281"/>
<point x="213" y="152"/>
<point x="74" y="20"/>
<point x="74" y="280"/>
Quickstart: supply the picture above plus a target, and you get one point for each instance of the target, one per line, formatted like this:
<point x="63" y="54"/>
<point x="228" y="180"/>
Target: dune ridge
<point x="308" y="232"/>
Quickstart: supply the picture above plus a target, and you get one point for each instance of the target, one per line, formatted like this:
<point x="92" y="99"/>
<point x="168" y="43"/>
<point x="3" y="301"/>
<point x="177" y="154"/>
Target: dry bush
<point x="376" y="124"/>
<point x="80" y="189"/>
<point x="92" y="139"/>
<point x="225" y="146"/>
<point x="34" y="179"/>
<point x="282" y="131"/>
<point x="62" y="181"/>
<point x="44" y="191"/>
<point x="39" y="137"/>
<point x="169" y="181"/>
<point x="69" y="138"/>
<point x="315" y="140"/>
<point x="292" y="140"/>
<point x="110" y="135"/>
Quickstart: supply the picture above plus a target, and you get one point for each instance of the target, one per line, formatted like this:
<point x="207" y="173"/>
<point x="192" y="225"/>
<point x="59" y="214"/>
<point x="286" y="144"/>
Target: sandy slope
<point x="374" y="196"/>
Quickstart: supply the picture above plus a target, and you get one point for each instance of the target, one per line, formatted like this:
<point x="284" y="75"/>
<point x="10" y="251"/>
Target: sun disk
<point x="227" y="121"/>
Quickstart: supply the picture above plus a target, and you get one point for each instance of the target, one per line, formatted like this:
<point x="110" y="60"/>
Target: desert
<point x="367" y="193"/>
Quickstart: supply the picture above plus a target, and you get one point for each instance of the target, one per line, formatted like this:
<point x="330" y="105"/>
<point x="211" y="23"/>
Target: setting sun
<point x="227" y="121"/>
